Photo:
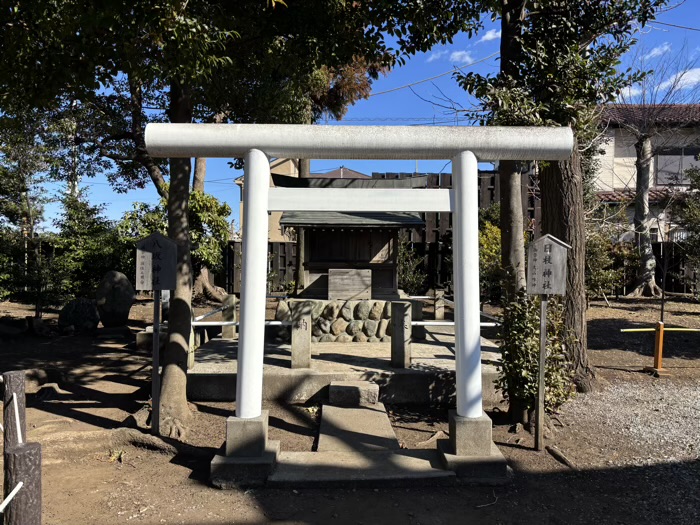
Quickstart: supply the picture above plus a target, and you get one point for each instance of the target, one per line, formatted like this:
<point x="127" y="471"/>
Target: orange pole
<point x="659" y="346"/>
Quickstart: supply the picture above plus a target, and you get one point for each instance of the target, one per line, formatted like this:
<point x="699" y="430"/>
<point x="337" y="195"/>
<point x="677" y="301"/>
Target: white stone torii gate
<point x="465" y="146"/>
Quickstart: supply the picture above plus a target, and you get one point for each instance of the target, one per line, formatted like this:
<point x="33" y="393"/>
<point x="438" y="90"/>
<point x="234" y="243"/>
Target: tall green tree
<point x="252" y="61"/>
<point x="563" y="63"/>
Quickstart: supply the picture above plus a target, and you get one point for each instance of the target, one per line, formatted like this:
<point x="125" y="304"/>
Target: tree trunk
<point x="561" y="188"/>
<point x="175" y="414"/>
<point x="204" y="289"/>
<point x="200" y="173"/>
<point x="304" y="173"/>
<point x="646" y="278"/>
<point x="512" y="238"/>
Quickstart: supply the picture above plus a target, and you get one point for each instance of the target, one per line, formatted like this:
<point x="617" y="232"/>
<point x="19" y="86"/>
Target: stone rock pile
<point x="366" y="321"/>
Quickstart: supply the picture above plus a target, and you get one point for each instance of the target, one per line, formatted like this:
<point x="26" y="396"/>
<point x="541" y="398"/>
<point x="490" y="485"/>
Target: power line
<point x="436" y="76"/>
<point x="674" y="25"/>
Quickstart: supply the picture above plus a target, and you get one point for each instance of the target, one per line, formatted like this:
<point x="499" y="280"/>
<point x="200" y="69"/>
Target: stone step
<point x="401" y="468"/>
<point x="353" y="393"/>
<point x="360" y="429"/>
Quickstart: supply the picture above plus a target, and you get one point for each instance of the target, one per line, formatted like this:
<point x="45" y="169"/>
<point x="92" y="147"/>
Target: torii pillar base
<point x="248" y="457"/>
<point x="470" y="451"/>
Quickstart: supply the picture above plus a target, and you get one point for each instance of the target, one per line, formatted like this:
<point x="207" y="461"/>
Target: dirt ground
<point x="633" y="443"/>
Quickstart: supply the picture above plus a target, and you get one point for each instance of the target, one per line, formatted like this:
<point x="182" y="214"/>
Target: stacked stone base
<point x="338" y="321"/>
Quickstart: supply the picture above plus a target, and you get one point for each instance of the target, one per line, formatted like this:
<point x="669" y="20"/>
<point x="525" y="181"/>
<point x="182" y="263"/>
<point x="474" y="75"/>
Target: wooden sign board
<point x="546" y="269"/>
<point x="156" y="263"/>
<point x="349" y="284"/>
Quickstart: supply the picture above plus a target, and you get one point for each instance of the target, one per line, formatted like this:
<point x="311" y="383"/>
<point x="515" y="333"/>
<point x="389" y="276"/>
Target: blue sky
<point x="425" y="102"/>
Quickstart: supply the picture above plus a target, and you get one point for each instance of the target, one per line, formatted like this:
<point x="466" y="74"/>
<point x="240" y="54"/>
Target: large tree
<point x="656" y="113"/>
<point x="565" y="61"/>
<point x="253" y="61"/>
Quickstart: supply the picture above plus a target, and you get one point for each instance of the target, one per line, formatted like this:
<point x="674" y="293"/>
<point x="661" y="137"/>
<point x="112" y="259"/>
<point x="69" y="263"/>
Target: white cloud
<point x="491" y="34"/>
<point x="628" y="94"/>
<point x="437" y="55"/>
<point x="461" y="57"/>
<point x="687" y="79"/>
<point x="658" y="51"/>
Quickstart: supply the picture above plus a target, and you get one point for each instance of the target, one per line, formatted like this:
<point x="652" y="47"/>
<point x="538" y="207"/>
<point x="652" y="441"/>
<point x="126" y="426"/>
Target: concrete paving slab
<point x="403" y="468"/>
<point x="359" y="429"/>
<point x="429" y="380"/>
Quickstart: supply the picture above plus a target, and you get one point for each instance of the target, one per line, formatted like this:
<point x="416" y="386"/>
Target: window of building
<point x="671" y="165"/>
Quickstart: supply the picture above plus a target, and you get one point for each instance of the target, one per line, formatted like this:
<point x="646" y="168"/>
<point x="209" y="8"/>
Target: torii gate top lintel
<point x="359" y="142"/>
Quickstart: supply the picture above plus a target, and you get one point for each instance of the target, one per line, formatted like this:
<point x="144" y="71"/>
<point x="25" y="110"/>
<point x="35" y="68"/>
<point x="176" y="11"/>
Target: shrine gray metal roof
<point x="285" y="181"/>
<point x="334" y="219"/>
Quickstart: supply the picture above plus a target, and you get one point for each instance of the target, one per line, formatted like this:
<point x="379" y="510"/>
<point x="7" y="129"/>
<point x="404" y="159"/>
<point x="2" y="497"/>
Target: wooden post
<point x="229" y="315"/>
<point x="401" y="334"/>
<point x="155" y="372"/>
<point x="539" y="414"/>
<point x="659" y="346"/>
<point x="14" y="384"/>
<point x="658" y="368"/>
<point x="23" y="464"/>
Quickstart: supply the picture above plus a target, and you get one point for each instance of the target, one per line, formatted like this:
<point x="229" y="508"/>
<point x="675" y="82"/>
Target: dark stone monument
<point x="114" y="297"/>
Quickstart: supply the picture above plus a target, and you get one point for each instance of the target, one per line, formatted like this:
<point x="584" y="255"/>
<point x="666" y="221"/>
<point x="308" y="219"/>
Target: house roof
<point x="683" y="115"/>
<point x="340" y="173"/>
<point x="335" y="219"/>
<point x="656" y="195"/>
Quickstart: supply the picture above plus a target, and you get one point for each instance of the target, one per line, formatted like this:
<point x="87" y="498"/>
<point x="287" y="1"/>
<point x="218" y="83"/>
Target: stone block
<point x="439" y="305"/>
<point x="301" y="342"/>
<point x="283" y="311"/>
<point x="382" y="327"/>
<point x="246" y="437"/>
<point x="491" y="468"/>
<point x="232" y="472"/>
<point x="229" y="314"/>
<point x="470" y="436"/>
<point x="401" y="335"/>
<point x="144" y="340"/>
<point x="375" y="312"/>
<point x="324" y="325"/>
<point x="113" y="298"/>
<point x="353" y="393"/>
<point x="354" y="328"/>
<point x="346" y="312"/>
<point x="332" y="309"/>
<point x="362" y="310"/>
<point x="339" y="326"/>
<point x="370" y="327"/>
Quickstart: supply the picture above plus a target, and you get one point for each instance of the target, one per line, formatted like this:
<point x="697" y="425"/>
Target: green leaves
<point x="519" y="366"/>
<point x="209" y="227"/>
<point x="562" y="64"/>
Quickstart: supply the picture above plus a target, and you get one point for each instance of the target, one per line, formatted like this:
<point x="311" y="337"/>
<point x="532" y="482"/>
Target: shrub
<point x="519" y="366"/>
<point x="490" y="261"/>
<point x="410" y="269"/>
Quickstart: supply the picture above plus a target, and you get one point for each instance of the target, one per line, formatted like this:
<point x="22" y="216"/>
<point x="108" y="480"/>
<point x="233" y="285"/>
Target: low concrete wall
<point x="404" y="386"/>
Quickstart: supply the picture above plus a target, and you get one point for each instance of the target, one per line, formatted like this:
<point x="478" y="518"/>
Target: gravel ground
<point x="651" y="420"/>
